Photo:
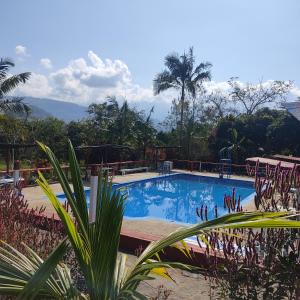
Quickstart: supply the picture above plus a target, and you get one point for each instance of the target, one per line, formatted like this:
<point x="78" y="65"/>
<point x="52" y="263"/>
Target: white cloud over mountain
<point x="37" y="86"/>
<point x="85" y="80"/>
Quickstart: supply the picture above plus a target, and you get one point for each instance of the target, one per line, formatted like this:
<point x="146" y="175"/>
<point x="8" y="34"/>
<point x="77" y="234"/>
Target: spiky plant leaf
<point x="29" y="277"/>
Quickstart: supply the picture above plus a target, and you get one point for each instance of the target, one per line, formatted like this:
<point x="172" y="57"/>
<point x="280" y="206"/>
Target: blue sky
<point x="250" y="39"/>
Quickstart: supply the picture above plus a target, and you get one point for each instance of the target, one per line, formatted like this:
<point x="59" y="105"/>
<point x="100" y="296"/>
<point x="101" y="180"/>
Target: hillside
<point x="67" y="111"/>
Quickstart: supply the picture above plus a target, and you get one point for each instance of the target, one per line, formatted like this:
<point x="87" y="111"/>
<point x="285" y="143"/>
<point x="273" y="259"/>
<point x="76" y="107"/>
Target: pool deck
<point x="36" y="198"/>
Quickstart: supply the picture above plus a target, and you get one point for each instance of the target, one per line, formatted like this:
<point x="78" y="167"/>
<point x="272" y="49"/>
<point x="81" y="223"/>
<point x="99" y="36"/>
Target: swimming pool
<point x="175" y="197"/>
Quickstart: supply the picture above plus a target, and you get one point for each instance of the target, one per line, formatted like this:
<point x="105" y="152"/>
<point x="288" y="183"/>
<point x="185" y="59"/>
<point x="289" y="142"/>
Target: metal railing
<point x="206" y="166"/>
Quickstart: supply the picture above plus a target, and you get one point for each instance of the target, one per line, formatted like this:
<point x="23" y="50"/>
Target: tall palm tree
<point x="9" y="83"/>
<point x="183" y="75"/>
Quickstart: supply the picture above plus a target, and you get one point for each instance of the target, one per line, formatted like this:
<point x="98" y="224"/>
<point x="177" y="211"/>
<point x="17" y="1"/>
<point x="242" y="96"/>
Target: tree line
<point x="244" y="117"/>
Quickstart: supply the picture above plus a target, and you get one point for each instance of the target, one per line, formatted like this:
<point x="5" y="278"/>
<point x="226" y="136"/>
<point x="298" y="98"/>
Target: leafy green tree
<point x="182" y="74"/>
<point x="82" y="133"/>
<point x="13" y="130"/>
<point x="265" y="132"/>
<point x="283" y="135"/>
<point x="51" y="131"/>
<point x="8" y="84"/>
<point x="236" y="143"/>
<point x="121" y="125"/>
<point x="103" y="116"/>
<point x="146" y="133"/>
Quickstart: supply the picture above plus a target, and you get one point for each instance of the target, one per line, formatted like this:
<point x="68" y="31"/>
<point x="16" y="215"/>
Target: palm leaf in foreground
<point x="28" y="276"/>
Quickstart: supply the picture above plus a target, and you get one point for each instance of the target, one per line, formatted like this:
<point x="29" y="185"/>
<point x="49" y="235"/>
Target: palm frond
<point x="5" y="64"/>
<point x="14" y="105"/>
<point x="107" y="227"/>
<point x="28" y="276"/>
<point x="66" y="188"/>
<point x="204" y="76"/>
<point x="96" y="244"/>
<point x="172" y="62"/>
<point x="202" y="67"/>
<point x="163" y="81"/>
<point x="12" y="82"/>
<point x="236" y="220"/>
<point x="78" y="240"/>
<point x="6" y="61"/>
<point x="191" y="87"/>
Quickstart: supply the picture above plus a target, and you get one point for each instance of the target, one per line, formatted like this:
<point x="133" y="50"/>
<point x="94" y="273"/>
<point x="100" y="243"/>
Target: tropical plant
<point x="121" y="124"/>
<point x="183" y="75"/>
<point x="9" y="83"/>
<point x="17" y="269"/>
<point x="19" y="223"/>
<point x="235" y="143"/>
<point x="52" y="132"/>
<point x="96" y="244"/>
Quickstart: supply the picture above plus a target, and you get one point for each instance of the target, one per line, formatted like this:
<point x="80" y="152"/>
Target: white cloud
<point x="21" y="50"/>
<point x="97" y="74"/>
<point x="295" y="91"/>
<point x="92" y="79"/>
<point x="213" y="86"/>
<point x="86" y="80"/>
<point x="46" y="63"/>
<point x="37" y="86"/>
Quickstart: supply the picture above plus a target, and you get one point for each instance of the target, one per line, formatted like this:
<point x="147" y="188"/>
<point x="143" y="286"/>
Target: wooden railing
<point x="31" y="174"/>
<point x="115" y="167"/>
<point x="206" y="166"/>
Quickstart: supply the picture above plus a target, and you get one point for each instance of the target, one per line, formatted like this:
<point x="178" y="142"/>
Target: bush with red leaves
<point x="20" y="224"/>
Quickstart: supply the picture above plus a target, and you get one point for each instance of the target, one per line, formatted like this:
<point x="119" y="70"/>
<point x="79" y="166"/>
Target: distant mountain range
<point x="42" y="108"/>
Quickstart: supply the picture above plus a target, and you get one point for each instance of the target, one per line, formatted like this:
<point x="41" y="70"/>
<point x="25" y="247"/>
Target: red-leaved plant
<point x="19" y="223"/>
<point x="257" y="264"/>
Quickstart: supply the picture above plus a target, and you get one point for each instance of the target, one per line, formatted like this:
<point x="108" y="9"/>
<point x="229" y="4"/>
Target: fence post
<point x="93" y="193"/>
<point x="16" y="172"/>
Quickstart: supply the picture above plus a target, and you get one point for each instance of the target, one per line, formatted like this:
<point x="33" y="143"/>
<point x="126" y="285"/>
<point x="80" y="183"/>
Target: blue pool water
<point x="175" y="197"/>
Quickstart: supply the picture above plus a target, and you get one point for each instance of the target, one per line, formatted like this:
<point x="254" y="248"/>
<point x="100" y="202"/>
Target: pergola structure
<point x="272" y="162"/>
<point x="103" y="150"/>
<point x="162" y="152"/>
<point x="288" y="158"/>
<point x="9" y="149"/>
